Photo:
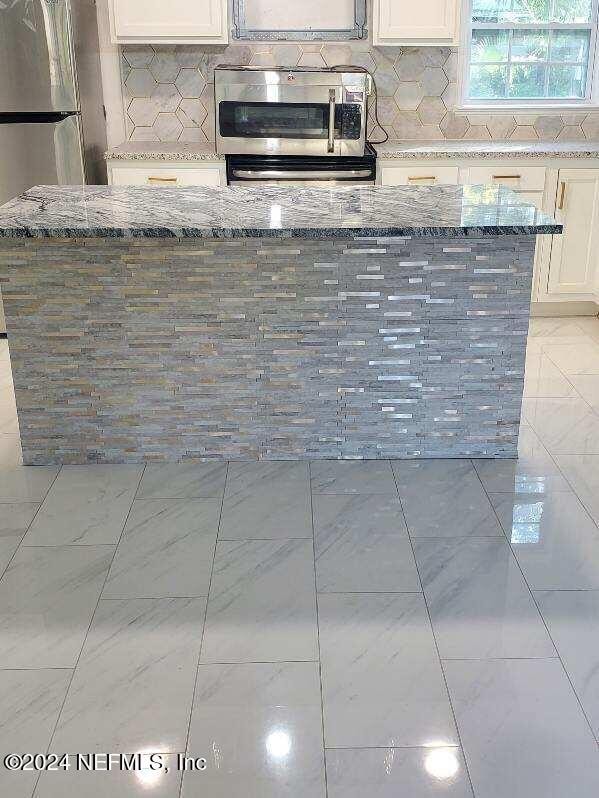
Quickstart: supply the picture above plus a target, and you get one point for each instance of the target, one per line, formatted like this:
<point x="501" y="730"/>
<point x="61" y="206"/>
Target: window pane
<point x="490" y="10"/>
<point x="488" y="82"/>
<point x="567" y="81"/>
<point x="527" y="80"/>
<point x="529" y="45"/>
<point x="524" y="11"/>
<point x="572" y="11"/>
<point x="570" y="45"/>
<point x="489" y="46"/>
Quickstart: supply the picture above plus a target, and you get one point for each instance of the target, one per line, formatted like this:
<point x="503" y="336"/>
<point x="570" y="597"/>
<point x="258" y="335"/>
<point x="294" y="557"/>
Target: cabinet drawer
<point x="148" y="176"/>
<point x="418" y="175"/>
<point x="518" y="178"/>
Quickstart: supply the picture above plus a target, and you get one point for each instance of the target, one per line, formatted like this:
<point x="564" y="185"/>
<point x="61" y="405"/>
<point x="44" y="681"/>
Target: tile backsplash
<point x="168" y="92"/>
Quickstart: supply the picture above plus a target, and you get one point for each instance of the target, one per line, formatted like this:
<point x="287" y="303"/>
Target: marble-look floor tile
<point x="133" y="686"/>
<point x="582" y="472"/>
<point x="14" y="521"/>
<point x="480" y="605"/>
<point x="444" y="498"/>
<point x="544" y="378"/>
<point x="522" y="729"/>
<point x="573" y="619"/>
<point x="587" y="386"/>
<point x="381" y="676"/>
<point x="166" y="549"/>
<point x="266" y="500"/>
<point x="533" y="472"/>
<point x="149" y="780"/>
<point x="578" y="358"/>
<point x="589" y="326"/>
<point x="183" y="481"/>
<point x="554" y="539"/>
<point x="30" y="701"/>
<point x="47" y="599"/>
<point x="260" y="726"/>
<point x="565" y="426"/>
<point x="86" y="505"/>
<point x="362" y="545"/>
<point x="352" y="476"/>
<point x="262" y="603"/>
<point x="397" y="772"/>
<point x="25" y="483"/>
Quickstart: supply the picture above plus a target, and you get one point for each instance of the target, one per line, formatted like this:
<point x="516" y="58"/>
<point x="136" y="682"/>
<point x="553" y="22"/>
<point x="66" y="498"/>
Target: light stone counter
<point x="483" y="150"/>
<point x="159" y="324"/>
<point x="395" y="150"/>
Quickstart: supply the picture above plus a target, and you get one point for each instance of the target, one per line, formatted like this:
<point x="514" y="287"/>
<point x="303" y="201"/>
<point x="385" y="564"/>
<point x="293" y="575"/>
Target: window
<point x="529" y="51"/>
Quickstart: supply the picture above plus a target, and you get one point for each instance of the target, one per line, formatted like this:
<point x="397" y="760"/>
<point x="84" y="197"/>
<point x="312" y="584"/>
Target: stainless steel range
<point x="299" y="125"/>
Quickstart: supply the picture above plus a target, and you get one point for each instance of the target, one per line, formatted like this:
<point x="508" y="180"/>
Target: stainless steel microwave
<point x="291" y="111"/>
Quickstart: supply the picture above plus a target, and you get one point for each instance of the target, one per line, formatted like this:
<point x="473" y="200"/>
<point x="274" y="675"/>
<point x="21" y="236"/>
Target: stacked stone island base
<point x="268" y="343"/>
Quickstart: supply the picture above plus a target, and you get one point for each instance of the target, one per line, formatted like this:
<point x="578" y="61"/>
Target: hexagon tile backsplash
<point x="168" y="92"/>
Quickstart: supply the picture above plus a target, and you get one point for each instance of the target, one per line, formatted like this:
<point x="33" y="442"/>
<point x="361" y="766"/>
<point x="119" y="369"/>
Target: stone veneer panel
<point x="417" y="92"/>
<point x="169" y="350"/>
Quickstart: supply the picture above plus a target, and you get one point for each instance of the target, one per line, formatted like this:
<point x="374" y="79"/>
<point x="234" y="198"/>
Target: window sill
<point x="526" y="110"/>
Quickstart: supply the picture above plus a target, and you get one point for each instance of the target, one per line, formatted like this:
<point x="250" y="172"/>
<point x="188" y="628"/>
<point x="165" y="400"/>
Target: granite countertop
<point x="156" y="151"/>
<point x="483" y="150"/>
<point x="225" y="212"/>
<point x="395" y="150"/>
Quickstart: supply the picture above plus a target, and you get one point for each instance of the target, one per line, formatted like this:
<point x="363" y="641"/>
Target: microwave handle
<point x="331" y="147"/>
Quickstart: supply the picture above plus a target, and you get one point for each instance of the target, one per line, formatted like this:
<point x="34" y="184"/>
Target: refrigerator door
<point x="37" y="72"/>
<point x="39" y="153"/>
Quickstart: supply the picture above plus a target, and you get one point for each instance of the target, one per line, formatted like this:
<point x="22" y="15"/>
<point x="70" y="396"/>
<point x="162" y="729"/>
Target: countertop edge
<point x="466" y="231"/>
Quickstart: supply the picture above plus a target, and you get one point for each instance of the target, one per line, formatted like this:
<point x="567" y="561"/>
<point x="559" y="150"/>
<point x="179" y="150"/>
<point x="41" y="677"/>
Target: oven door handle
<point x="331" y="146"/>
<point x="281" y="174"/>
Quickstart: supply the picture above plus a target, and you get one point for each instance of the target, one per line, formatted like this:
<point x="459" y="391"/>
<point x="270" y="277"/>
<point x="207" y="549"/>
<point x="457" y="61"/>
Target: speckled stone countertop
<point x="486" y="150"/>
<point x="225" y="212"/>
<point x="395" y="150"/>
<point x="155" y="151"/>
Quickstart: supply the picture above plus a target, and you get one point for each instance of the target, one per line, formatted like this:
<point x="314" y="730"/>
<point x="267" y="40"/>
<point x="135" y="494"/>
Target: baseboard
<point x="574" y="308"/>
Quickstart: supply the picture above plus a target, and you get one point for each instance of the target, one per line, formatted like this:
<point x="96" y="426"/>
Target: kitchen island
<point x="171" y="324"/>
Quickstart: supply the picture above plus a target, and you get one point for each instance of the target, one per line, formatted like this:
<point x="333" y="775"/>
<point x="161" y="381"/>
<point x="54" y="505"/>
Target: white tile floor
<point x="356" y="630"/>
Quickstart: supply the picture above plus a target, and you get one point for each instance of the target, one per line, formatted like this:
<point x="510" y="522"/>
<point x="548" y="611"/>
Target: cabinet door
<point x="422" y="22"/>
<point x="574" y="254"/>
<point x="173" y="21"/>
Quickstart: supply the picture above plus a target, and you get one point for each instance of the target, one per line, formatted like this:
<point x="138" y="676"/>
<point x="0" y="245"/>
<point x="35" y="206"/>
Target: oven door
<point x="268" y="120"/>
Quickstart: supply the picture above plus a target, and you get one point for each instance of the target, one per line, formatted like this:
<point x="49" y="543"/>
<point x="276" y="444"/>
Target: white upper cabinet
<point x="169" y="21"/>
<point x="415" y="22"/>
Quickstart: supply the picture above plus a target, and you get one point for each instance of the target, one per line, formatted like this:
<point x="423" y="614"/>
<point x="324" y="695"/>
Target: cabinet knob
<point x="162" y="179"/>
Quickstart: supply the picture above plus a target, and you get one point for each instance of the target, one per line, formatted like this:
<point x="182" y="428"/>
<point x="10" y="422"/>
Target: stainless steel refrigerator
<point x="52" y="124"/>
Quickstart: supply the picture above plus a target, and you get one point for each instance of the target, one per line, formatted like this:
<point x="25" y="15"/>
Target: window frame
<point x="591" y="98"/>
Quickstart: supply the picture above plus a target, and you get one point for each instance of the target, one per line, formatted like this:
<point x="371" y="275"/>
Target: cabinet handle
<point x="424" y="177"/>
<point x="162" y="179"/>
<point x="562" y="196"/>
<point x="507" y="177"/>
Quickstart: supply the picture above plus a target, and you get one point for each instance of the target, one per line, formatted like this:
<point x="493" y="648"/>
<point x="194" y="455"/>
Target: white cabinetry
<point x="421" y="22"/>
<point x="574" y="265"/>
<point x="146" y="173"/>
<point x="169" y="21"/>
<point x="418" y="175"/>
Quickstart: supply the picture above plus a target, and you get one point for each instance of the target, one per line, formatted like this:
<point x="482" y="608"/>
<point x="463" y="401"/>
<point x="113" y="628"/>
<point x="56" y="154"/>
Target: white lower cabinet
<point x="574" y="263"/>
<point x="146" y="174"/>
<point x="418" y="175"/>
